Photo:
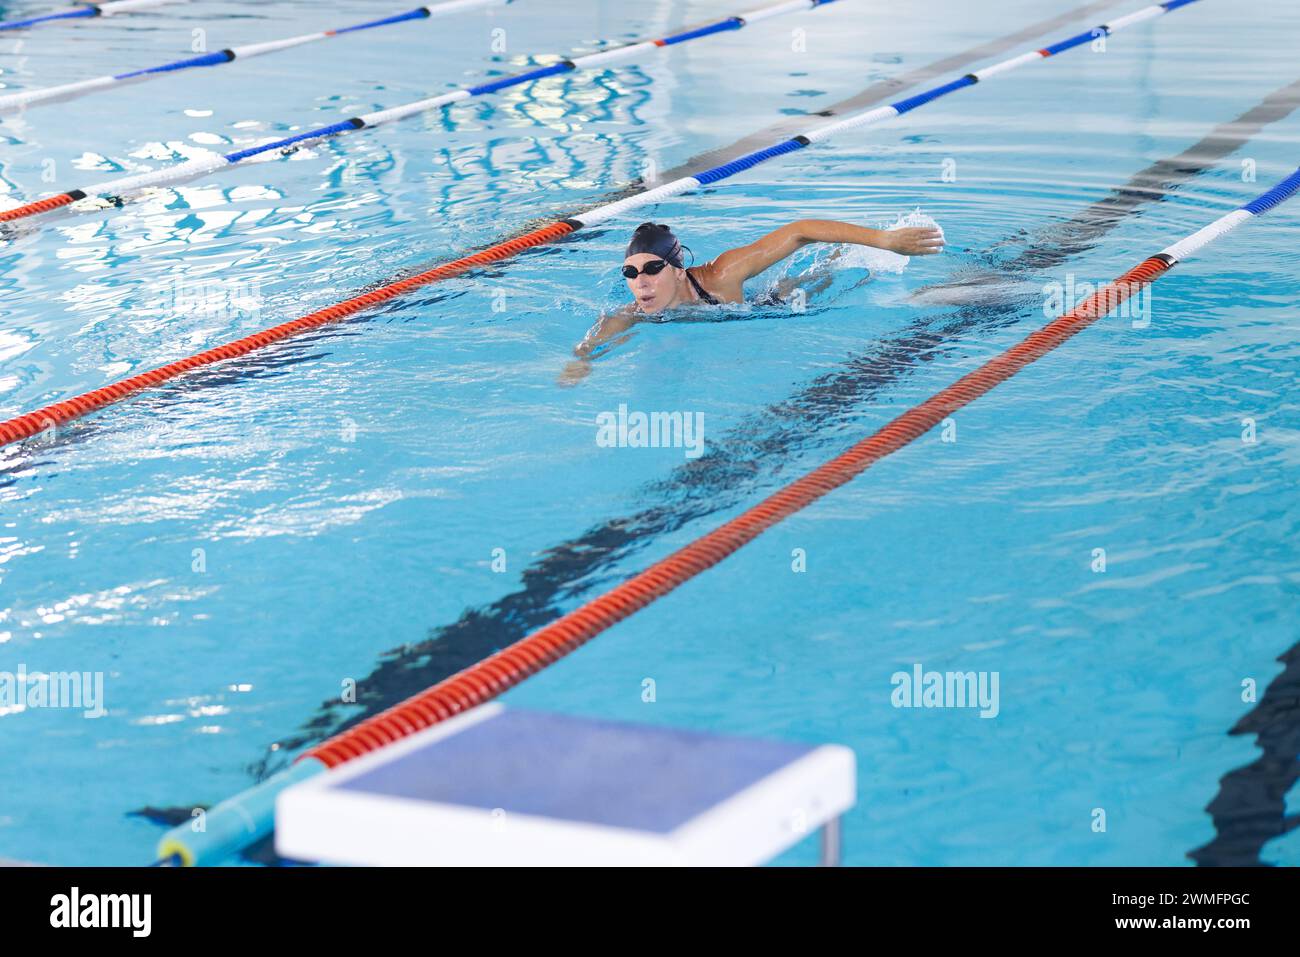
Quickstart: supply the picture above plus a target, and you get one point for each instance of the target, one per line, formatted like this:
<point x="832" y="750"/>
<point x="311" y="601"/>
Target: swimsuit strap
<point x="700" y="290"/>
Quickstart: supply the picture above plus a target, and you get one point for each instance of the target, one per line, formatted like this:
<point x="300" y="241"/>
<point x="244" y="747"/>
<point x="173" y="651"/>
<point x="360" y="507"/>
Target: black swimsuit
<point x="770" y="299"/>
<point x="700" y="290"/>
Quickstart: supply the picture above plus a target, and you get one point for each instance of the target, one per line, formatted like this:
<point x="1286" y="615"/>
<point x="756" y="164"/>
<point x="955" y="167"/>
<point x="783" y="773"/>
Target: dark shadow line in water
<point x="1080" y="232"/>
<point x="1250" y="807"/>
<point x="727" y="475"/>
<point x="873" y="95"/>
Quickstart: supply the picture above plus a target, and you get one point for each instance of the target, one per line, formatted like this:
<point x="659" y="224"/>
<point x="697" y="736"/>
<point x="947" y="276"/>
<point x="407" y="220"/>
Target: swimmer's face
<point x="653" y="293"/>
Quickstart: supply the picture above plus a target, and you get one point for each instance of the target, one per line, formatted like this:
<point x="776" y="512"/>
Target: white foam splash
<point x="882" y="260"/>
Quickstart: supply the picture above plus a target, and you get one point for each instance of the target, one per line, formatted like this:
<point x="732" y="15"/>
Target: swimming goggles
<point x="653" y="268"/>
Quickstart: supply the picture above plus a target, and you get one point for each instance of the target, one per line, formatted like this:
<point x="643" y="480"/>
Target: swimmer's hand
<point x="915" y="241"/>
<point x="612" y="330"/>
<point x="574" y="372"/>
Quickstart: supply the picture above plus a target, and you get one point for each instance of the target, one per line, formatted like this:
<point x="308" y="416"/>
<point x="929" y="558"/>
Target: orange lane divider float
<point x="34" y="423"/>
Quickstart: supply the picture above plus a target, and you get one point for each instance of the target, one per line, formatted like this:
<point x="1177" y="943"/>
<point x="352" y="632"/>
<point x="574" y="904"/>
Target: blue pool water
<point x="234" y="550"/>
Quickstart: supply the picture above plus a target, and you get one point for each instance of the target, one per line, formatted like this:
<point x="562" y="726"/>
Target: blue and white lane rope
<point x="1261" y="204"/>
<point x="208" y="164"/>
<point x="88" y="11"/>
<point x="26" y="98"/>
<point x="240" y="821"/>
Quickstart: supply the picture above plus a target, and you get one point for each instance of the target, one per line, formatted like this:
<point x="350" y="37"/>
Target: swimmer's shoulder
<point x="720" y="281"/>
<point x="709" y="272"/>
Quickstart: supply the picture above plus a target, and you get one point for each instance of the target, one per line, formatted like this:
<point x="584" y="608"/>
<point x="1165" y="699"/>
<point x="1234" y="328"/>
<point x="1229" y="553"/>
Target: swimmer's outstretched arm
<point x="737" y="265"/>
<point x="612" y="329"/>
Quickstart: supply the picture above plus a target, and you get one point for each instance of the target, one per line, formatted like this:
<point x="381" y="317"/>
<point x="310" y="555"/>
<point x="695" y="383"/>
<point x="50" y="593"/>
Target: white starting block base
<point x="498" y="786"/>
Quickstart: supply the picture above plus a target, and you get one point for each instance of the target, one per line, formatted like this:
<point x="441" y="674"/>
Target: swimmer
<point x="659" y="281"/>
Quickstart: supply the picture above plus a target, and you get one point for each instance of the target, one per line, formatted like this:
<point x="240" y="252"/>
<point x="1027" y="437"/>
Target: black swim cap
<point x="658" y="240"/>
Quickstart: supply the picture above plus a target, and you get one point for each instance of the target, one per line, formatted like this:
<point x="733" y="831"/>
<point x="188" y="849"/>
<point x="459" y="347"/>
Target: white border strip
<point x="1206" y="234"/>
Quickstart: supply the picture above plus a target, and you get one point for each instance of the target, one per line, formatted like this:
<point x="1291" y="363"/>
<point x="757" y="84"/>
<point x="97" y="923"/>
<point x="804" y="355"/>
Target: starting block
<point x="499" y="786"/>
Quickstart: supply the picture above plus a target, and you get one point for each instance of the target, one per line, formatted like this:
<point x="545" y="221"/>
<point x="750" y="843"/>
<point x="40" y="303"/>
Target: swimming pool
<point x="386" y="501"/>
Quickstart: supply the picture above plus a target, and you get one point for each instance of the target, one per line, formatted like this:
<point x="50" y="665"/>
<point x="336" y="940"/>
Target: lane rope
<point x="90" y="10"/>
<point x="251" y="814"/>
<point x="202" y="166"/>
<point x="27" y="98"/>
<point x="51" y="416"/>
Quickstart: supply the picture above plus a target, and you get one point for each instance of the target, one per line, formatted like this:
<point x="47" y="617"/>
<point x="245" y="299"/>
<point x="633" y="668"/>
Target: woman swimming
<point x="658" y="280"/>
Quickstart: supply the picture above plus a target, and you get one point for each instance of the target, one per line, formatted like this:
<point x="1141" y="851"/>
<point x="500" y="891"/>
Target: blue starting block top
<point x="514" y="787"/>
